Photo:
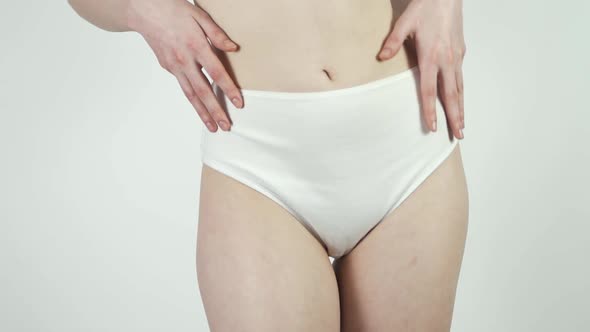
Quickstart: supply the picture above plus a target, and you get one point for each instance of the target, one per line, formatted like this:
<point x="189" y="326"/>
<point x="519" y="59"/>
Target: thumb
<point x="402" y="28"/>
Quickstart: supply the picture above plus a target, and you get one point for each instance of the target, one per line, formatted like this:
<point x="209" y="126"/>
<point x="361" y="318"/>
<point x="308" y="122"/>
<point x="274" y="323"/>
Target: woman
<point x="329" y="147"/>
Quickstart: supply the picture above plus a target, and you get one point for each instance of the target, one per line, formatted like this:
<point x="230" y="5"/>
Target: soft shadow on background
<point x="100" y="171"/>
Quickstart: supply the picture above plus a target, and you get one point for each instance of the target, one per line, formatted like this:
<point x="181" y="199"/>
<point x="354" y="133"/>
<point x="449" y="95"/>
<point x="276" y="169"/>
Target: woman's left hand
<point x="437" y="29"/>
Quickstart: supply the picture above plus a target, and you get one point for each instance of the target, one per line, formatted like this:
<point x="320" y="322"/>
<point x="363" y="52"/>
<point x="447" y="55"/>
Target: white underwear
<point x="338" y="161"/>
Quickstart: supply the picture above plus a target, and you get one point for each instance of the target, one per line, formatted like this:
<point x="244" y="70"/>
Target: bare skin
<point x="403" y="275"/>
<point x="380" y="284"/>
<point x="292" y="46"/>
<point x="186" y="39"/>
<point x="258" y="269"/>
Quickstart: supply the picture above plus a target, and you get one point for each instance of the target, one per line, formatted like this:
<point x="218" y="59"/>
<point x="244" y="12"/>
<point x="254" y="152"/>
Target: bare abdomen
<point x="306" y="45"/>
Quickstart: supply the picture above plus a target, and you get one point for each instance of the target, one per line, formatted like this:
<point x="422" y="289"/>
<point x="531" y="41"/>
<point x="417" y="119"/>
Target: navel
<point x="327" y="74"/>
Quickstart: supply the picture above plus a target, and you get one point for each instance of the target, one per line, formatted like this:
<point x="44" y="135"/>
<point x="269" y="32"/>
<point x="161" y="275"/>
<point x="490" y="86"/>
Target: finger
<point x="216" y="35"/>
<point x="428" y="73"/>
<point x="201" y="86"/>
<point x="402" y="28"/>
<point x="459" y="77"/>
<point x="451" y="100"/>
<point x="194" y="100"/>
<point x="219" y="75"/>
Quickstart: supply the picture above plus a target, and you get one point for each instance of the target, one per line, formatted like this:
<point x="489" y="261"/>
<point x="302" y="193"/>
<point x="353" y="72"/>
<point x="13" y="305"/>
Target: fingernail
<point x="434" y="125"/>
<point x="236" y="102"/>
<point x="230" y="44"/>
<point x="461" y="133"/>
<point x="385" y="52"/>
<point x="224" y="125"/>
<point x="210" y="126"/>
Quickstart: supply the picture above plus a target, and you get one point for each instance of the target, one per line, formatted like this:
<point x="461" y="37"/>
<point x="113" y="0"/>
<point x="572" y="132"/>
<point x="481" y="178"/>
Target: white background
<point x="100" y="171"/>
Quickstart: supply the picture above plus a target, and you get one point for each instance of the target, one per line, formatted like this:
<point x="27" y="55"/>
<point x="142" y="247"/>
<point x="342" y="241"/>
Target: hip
<point x="331" y="134"/>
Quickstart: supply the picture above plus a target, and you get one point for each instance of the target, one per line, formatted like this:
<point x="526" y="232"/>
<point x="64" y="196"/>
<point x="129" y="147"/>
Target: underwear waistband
<point x="335" y="92"/>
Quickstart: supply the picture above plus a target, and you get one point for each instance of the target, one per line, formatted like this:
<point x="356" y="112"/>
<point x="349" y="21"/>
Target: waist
<point x="378" y="122"/>
<point x="307" y="46"/>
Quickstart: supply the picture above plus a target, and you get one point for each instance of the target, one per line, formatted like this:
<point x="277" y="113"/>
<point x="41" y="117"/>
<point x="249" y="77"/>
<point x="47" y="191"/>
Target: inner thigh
<point x="258" y="268"/>
<point x="403" y="275"/>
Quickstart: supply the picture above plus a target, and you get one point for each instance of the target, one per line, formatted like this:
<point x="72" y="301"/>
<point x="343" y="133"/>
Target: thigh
<point x="403" y="275"/>
<point x="258" y="268"/>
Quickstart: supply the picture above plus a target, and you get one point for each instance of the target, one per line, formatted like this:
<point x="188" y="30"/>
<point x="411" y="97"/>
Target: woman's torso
<point x="308" y="45"/>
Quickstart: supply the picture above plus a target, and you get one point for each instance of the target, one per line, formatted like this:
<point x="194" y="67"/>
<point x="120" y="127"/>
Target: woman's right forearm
<point x="110" y="15"/>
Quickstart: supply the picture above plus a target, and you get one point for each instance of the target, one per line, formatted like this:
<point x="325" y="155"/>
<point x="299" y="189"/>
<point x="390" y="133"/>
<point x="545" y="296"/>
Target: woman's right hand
<point x="177" y="32"/>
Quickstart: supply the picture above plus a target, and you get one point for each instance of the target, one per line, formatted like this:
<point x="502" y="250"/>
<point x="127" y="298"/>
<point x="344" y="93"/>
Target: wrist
<point x="132" y="14"/>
